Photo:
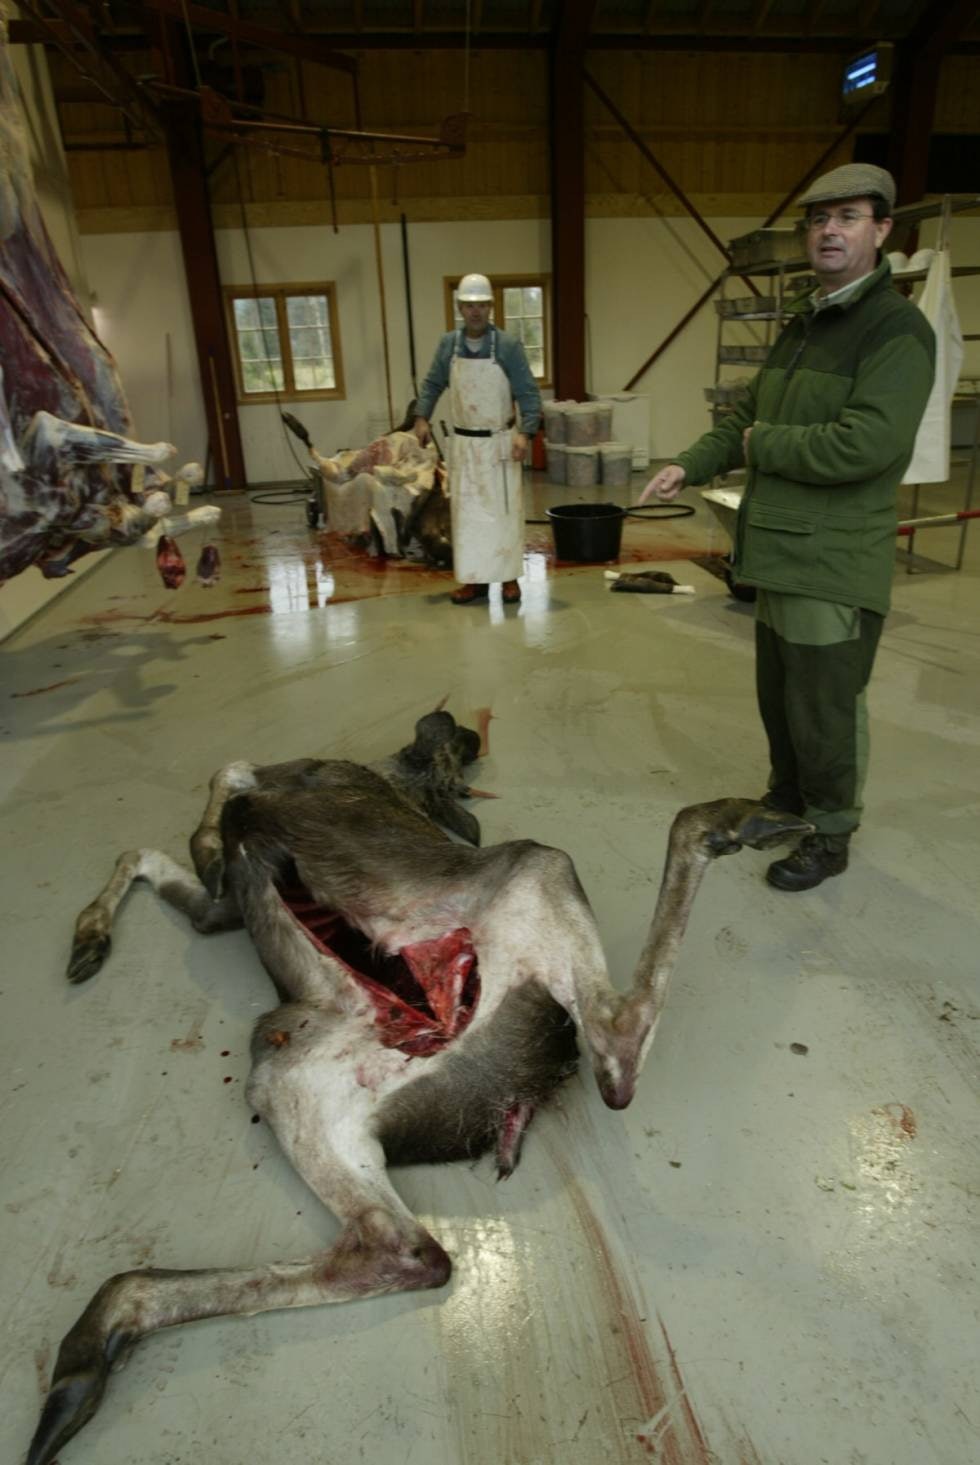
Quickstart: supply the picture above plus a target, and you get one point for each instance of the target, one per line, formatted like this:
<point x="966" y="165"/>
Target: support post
<point x="185" y="149"/>
<point x="918" y="59"/>
<point x="566" y="123"/>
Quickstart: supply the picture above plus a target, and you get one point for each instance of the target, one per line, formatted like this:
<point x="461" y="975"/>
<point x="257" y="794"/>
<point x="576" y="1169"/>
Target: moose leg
<point x="206" y="848"/>
<point x="50" y="442"/>
<point x="177" y="886"/>
<point x="149" y="528"/>
<point x="382" y="1248"/>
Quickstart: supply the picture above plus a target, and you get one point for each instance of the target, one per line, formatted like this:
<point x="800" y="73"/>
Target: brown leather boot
<point x="466" y="594"/>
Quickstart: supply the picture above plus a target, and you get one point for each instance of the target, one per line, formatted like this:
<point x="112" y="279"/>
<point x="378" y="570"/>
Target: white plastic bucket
<point x="581" y="425"/>
<point x="581" y="467"/>
<point x="617" y="464"/>
<point x="604" y="416"/>
<point x="554" y="421"/>
<point x="556" y="453"/>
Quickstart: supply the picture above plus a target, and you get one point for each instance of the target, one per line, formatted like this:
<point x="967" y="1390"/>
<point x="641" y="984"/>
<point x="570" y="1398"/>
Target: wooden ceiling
<point x="670" y="62"/>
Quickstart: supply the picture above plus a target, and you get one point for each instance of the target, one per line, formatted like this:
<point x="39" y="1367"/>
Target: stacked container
<point x="579" y="447"/>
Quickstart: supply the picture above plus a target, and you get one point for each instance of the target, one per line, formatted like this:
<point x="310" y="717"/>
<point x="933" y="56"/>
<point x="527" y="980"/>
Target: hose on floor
<point x="645" y="511"/>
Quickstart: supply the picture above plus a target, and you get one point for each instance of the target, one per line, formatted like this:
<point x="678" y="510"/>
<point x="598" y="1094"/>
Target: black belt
<point x="482" y="431"/>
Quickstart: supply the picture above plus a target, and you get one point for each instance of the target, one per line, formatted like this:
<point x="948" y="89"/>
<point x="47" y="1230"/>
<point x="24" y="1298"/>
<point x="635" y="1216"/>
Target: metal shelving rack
<point x="733" y="311"/>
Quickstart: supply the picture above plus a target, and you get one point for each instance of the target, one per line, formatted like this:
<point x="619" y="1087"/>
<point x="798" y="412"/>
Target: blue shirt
<point x="510" y="358"/>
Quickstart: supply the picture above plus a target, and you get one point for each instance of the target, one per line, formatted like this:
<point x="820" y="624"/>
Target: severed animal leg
<point x="381" y="1249"/>
<point x="50" y="444"/>
<point x="93" y="929"/>
<point x="169" y="524"/>
<point x="206" y="850"/>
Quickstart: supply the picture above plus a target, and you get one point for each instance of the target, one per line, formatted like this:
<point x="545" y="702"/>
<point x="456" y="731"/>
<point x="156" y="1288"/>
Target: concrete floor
<point x="770" y="1259"/>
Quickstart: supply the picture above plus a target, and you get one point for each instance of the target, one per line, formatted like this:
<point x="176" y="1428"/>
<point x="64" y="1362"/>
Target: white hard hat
<point x="474" y="287"/>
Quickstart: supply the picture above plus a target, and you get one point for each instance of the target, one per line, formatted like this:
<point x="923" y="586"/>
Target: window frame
<point x="500" y="283"/>
<point x="280" y="293"/>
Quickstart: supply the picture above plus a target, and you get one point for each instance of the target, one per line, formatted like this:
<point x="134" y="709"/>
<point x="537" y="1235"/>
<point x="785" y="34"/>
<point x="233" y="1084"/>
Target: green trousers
<point x="813" y="663"/>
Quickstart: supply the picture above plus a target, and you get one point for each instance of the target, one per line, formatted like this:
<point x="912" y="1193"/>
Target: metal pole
<point x="408" y="305"/>
<point x="381" y="291"/>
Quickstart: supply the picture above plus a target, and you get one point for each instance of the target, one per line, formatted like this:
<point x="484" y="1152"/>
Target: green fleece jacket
<point x="834" y="414"/>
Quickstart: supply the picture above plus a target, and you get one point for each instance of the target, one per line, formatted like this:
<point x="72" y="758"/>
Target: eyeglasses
<point x="847" y="219"/>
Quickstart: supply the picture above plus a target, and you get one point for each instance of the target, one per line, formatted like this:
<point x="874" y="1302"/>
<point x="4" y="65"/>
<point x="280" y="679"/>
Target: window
<point x="286" y="341"/>
<point x="522" y="306"/>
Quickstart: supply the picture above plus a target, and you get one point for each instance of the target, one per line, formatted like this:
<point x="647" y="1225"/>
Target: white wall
<point x="642" y="274"/>
<point x="142" y="312"/>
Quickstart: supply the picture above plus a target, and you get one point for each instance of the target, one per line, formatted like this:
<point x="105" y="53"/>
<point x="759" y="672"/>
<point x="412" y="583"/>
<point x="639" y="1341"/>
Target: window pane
<point x="512" y="303"/>
<point x="532" y="300"/>
<point x="533" y="333"/>
<point x="259" y="349"/>
<point x="258" y="312"/>
<point x="536" y="362"/>
<point x="310" y="343"/>
<point x="250" y="345"/>
<point x="314" y="376"/>
<point x="262" y="376"/>
<point x="307" y="310"/>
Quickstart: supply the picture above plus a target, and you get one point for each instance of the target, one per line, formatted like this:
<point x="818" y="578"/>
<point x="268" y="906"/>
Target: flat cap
<point x="853" y="180"/>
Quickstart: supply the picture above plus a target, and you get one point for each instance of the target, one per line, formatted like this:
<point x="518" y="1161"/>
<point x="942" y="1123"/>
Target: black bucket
<point x="587" y="532"/>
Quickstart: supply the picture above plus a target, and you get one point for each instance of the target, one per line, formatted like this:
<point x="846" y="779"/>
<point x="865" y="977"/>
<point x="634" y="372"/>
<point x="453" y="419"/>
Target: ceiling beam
<point x="918" y="60"/>
<point x="812" y="14"/>
<point x="78" y="39"/>
<point x="307" y="47"/>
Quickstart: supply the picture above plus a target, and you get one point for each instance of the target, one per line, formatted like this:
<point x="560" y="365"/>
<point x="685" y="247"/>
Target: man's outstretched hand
<point x="665" y="485"/>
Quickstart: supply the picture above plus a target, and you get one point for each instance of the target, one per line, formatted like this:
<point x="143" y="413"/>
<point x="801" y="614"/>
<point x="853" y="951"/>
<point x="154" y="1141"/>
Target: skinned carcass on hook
<point x="66" y="457"/>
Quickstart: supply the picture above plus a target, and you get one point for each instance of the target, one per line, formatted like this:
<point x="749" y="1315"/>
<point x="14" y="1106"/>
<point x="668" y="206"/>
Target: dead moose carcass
<point x="430" y="993"/>
<point x="66" y="480"/>
<point x="389" y="498"/>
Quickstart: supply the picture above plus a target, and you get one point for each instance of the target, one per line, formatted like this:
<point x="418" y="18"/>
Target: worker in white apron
<point x="484" y="370"/>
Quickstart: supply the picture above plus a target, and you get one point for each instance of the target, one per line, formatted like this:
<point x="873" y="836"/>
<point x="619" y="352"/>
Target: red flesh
<point x="423" y="997"/>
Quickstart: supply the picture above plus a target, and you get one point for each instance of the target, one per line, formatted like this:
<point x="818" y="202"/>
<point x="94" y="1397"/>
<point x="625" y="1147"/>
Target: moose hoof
<point x="70" y="1405"/>
<point x="213" y="877"/>
<point x="87" y="956"/>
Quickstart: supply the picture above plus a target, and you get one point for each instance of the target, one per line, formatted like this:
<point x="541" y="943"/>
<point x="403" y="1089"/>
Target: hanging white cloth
<point x="930" y="457"/>
<point x="486" y="485"/>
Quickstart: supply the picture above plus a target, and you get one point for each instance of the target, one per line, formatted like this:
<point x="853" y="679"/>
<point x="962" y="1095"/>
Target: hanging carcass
<point x="71" y="479"/>
<point x="389" y="497"/>
<point x="430" y="994"/>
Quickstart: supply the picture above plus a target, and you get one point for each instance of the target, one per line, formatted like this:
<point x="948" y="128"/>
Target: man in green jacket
<point x="825" y="433"/>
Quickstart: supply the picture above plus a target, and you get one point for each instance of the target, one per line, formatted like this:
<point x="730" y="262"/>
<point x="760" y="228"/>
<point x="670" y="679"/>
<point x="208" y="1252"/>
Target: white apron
<point x="486" y="485"/>
<point x="930" y="457"/>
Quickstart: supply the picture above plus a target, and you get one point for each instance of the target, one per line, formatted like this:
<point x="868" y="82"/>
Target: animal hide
<point x="388" y="497"/>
